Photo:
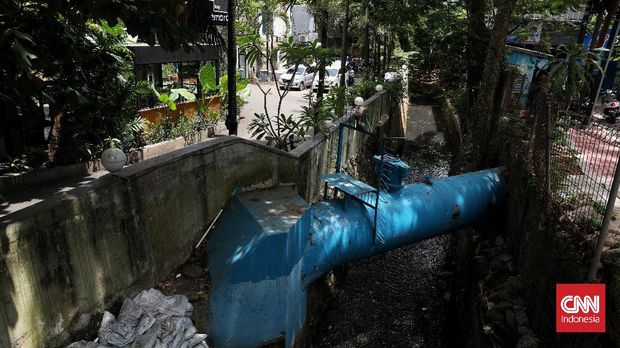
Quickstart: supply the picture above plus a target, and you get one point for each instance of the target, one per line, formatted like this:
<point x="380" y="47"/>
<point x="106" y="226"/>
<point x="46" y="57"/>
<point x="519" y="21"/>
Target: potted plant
<point x="213" y="116"/>
<point x="210" y="86"/>
<point x="113" y="158"/>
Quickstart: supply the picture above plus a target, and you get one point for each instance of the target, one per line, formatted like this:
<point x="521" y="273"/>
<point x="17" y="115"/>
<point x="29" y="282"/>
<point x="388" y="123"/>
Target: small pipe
<point x="209" y="228"/>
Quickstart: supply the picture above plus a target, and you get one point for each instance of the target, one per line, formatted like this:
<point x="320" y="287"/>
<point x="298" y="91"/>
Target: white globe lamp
<point x="113" y="159"/>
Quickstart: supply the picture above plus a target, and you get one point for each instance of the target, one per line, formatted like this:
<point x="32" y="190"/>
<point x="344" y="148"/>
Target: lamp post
<point x="359" y="110"/>
<point x="231" y="118"/>
<point x="379" y="89"/>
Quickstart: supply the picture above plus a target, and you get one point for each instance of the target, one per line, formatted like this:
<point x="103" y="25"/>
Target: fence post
<point x="602" y="236"/>
<point x="548" y="154"/>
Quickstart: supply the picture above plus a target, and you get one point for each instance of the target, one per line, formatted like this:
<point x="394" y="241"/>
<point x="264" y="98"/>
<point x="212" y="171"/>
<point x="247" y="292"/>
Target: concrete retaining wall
<point x="65" y="259"/>
<point x="317" y="157"/>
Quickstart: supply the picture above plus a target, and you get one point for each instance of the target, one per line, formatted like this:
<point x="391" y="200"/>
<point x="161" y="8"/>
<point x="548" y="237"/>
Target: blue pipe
<point x="260" y="274"/>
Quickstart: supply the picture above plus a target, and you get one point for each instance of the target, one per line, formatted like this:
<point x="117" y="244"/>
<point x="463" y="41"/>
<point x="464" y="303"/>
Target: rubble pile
<point x="502" y="306"/>
<point x="149" y="320"/>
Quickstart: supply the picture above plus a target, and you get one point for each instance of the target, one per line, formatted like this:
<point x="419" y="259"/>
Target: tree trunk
<point x="267" y="53"/>
<point x="323" y="37"/>
<point x="403" y="39"/>
<point x="366" y="45"/>
<point x="597" y="25"/>
<point x="605" y="56"/>
<point x="378" y="54"/>
<point x="476" y="47"/>
<point x="481" y="135"/>
<point x="345" y="32"/>
<point x="275" y="56"/>
<point x="386" y="48"/>
<point x="584" y="21"/>
<point x="611" y="13"/>
<point x="231" y="51"/>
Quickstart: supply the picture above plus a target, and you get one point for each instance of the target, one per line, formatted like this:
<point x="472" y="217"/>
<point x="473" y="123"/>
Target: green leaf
<point x="223" y="86"/>
<point x="189" y="96"/>
<point x="167" y="100"/>
<point x="207" y="77"/>
<point x="116" y="30"/>
<point x="24" y="56"/>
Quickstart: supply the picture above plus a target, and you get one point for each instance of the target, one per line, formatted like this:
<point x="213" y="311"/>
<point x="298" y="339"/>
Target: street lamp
<point x="379" y="88"/>
<point x="359" y="110"/>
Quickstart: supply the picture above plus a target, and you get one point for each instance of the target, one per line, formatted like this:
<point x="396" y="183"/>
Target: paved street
<point x="291" y="104"/>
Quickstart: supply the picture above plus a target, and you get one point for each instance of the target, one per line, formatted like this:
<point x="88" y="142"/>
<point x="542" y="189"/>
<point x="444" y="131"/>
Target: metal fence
<point x="576" y="163"/>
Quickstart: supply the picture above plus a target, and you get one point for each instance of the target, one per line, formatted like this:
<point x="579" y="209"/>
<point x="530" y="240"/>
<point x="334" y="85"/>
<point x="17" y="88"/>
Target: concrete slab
<point x="276" y="210"/>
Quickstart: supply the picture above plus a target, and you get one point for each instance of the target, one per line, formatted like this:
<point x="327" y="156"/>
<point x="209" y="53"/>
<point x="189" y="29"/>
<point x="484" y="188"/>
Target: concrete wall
<point x="15" y="182"/>
<point x="66" y="259"/>
<point x="317" y="157"/>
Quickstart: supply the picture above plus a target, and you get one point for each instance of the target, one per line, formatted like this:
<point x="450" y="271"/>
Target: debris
<point x="192" y="271"/>
<point x="510" y="318"/>
<point x="521" y="316"/>
<point x="527" y="341"/>
<point x="150" y="319"/>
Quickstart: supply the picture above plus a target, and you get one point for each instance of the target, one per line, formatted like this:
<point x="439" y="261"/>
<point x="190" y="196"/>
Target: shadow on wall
<point x="55" y="269"/>
<point x="8" y="312"/>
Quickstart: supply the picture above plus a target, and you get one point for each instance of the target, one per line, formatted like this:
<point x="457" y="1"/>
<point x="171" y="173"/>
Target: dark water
<point x="398" y="299"/>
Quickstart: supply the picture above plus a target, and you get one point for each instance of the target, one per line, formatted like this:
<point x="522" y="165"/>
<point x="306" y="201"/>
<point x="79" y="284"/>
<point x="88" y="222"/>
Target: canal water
<point x="400" y="298"/>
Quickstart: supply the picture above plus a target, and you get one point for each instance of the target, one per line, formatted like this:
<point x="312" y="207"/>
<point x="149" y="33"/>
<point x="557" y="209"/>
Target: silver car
<point x="302" y="79"/>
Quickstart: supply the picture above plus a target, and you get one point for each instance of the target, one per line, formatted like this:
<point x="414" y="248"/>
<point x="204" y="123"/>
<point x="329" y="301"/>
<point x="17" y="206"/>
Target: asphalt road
<point x="291" y="105"/>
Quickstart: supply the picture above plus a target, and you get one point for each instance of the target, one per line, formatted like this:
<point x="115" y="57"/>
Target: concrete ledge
<point x="14" y="182"/>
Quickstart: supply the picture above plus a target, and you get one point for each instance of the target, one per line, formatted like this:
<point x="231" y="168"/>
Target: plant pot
<point x="211" y="132"/>
<point x="113" y="159"/>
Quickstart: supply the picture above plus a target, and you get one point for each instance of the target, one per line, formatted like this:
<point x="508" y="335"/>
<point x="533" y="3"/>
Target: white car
<point x="392" y="76"/>
<point x="332" y="78"/>
<point x="302" y="79"/>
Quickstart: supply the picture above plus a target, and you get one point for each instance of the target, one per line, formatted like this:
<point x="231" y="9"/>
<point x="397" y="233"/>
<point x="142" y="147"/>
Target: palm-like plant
<point x="277" y="128"/>
<point x="570" y="73"/>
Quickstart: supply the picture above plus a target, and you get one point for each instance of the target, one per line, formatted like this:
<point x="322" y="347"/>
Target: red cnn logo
<point x="580" y="308"/>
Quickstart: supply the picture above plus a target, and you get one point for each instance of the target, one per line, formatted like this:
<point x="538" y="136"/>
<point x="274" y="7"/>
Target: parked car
<point x="302" y="79"/>
<point x="332" y="78"/>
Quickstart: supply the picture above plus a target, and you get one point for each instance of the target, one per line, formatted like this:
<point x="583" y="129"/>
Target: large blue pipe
<point x="260" y="274"/>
